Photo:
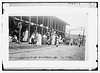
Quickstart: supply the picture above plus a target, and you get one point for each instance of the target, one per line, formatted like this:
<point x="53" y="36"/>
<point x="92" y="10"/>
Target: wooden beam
<point x="36" y="23"/>
<point x="48" y="23"/>
<point x="20" y="27"/>
<point x="58" y="26"/>
<point x="55" y="25"/>
<point x="29" y="28"/>
<point x="43" y="25"/>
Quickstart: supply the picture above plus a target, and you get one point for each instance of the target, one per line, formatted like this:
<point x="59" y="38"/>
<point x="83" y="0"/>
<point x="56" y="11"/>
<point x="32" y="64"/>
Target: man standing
<point x="20" y="27"/>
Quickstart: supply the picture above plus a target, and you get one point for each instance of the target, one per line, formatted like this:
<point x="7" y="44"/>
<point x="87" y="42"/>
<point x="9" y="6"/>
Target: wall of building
<point x="53" y="23"/>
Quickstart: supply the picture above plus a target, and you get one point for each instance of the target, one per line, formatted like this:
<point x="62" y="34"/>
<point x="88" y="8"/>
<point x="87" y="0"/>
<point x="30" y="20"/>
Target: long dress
<point x="32" y="37"/>
<point x="25" y="36"/>
<point x="57" y="41"/>
<point x="53" y="40"/>
<point x="44" y="39"/>
<point x="39" y="38"/>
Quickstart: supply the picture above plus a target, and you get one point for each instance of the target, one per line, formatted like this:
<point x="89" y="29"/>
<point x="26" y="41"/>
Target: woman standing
<point x="57" y="41"/>
<point x="25" y="38"/>
<point x="39" y="39"/>
<point x="53" y="39"/>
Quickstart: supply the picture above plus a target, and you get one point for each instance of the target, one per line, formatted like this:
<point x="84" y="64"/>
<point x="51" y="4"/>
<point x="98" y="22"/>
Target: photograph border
<point x="4" y="69"/>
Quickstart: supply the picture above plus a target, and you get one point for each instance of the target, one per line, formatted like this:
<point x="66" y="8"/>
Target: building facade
<point x="41" y="24"/>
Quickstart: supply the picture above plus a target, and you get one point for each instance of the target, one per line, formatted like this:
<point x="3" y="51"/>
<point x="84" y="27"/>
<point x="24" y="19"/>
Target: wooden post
<point x="20" y="27"/>
<point x="50" y="27"/>
<point x="48" y="24"/>
<point x="19" y="31"/>
<point x="64" y="29"/>
<point x="43" y="24"/>
<point x="36" y="23"/>
<point x="29" y="28"/>
<point x="58" y="28"/>
<point x="55" y="25"/>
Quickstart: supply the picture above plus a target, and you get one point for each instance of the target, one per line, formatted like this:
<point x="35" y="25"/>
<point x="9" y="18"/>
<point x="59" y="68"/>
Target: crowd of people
<point x="36" y="38"/>
<point x="45" y="39"/>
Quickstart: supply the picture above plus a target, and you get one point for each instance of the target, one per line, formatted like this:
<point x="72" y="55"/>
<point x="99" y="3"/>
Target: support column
<point x="55" y="25"/>
<point x="48" y="24"/>
<point x="36" y="23"/>
<point x="50" y="27"/>
<point x="20" y="27"/>
<point x="43" y="25"/>
<point x="29" y="28"/>
<point x="58" y="27"/>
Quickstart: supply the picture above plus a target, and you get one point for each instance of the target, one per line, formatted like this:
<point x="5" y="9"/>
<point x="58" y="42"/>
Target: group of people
<point x="46" y="39"/>
<point x="50" y="38"/>
<point x="38" y="39"/>
<point x="79" y="41"/>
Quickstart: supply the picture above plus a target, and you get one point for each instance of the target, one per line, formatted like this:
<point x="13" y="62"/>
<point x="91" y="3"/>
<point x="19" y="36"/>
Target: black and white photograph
<point x="47" y="37"/>
<point x="60" y="34"/>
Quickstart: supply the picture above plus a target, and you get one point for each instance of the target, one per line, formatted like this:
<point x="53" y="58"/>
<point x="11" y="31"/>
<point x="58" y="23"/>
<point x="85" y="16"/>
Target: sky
<point x="76" y="21"/>
<point x="76" y="17"/>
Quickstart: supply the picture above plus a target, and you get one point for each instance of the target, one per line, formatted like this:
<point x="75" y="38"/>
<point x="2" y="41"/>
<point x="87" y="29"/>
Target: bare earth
<point x="29" y="52"/>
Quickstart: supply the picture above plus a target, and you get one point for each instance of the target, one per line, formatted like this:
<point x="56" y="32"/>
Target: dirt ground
<point x="25" y="51"/>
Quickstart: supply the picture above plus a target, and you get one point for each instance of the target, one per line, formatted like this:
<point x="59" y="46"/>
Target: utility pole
<point x="82" y="28"/>
<point x="83" y="37"/>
